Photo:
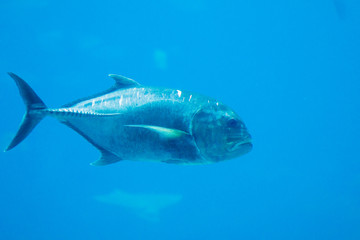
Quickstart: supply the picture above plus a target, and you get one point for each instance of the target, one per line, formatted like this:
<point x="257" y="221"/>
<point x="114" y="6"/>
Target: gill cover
<point x="208" y="134"/>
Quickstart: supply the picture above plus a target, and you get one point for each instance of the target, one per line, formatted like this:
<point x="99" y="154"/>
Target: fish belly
<point x="114" y="134"/>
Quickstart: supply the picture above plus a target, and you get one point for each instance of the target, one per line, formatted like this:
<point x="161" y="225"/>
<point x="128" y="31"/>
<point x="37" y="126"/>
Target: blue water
<point x="290" y="69"/>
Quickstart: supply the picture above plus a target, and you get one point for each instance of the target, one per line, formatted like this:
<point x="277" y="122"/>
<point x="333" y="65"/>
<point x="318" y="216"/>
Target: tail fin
<point x="32" y="115"/>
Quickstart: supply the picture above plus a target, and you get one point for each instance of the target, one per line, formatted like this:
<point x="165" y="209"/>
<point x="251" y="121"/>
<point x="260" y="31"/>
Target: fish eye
<point x="232" y="123"/>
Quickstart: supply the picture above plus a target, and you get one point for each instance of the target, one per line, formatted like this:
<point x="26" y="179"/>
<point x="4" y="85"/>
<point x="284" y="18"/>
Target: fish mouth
<point x="243" y="145"/>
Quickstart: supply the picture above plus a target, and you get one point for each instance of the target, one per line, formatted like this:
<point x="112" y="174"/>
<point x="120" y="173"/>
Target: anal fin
<point x="106" y="158"/>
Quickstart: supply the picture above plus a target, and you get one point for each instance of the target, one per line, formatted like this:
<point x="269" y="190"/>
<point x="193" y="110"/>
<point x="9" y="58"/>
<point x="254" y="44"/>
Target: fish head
<point x="219" y="133"/>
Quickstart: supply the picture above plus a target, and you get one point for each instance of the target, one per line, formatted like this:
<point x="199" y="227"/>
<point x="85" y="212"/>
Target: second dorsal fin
<point x="123" y="82"/>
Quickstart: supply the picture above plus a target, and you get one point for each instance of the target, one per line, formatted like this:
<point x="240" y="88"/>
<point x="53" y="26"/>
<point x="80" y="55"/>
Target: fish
<point x="146" y="205"/>
<point x="130" y="121"/>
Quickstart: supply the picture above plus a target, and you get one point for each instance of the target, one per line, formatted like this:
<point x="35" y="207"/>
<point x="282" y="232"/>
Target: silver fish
<point x="133" y="122"/>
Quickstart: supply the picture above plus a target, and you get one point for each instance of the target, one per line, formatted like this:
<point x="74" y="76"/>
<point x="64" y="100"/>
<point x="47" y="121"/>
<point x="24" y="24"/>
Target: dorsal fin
<point x="120" y="82"/>
<point x="123" y="82"/>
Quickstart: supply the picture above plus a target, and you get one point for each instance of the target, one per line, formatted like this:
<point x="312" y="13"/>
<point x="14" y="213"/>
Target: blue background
<point x="290" y="69"/>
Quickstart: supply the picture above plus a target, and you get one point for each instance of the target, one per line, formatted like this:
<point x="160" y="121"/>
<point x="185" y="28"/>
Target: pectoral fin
<point x="162" y="131"/>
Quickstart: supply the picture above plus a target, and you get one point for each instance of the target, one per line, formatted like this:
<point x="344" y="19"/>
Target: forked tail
<point x="33" y="114"/>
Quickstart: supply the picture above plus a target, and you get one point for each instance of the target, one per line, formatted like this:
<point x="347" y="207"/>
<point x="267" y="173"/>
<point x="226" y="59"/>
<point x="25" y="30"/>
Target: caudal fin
<point x="32" y="116"/>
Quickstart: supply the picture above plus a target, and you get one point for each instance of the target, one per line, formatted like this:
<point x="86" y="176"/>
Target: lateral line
<point x="75" y="112"/>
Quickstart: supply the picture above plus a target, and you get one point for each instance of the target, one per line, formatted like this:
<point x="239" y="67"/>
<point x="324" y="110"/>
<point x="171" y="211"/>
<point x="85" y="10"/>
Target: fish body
<point x="133" y="122"/>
